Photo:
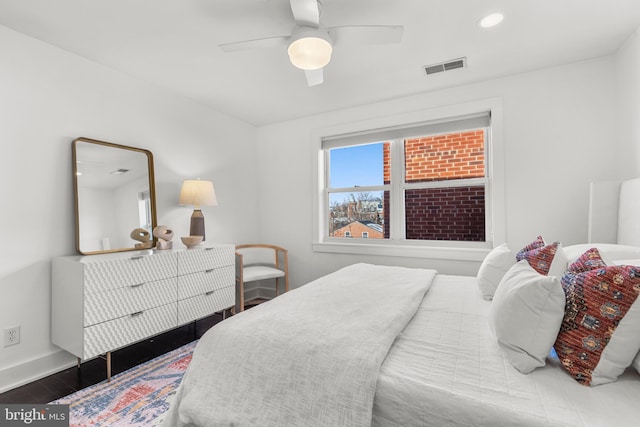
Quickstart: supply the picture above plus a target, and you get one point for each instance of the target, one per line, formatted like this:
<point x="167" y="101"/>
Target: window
<point x="356" y="190"/>
<point x="425" y="184"/>
<point x="444" y="186"/>
<point x="144" y="209"/>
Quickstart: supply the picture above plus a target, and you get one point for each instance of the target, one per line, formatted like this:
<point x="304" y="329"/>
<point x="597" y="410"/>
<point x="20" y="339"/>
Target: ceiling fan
<point x="310" y="45"/>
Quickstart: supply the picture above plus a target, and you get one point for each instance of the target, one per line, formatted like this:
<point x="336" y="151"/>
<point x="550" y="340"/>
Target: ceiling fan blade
<point x="366" y="34"/>
<point x="306" y="12"/>
<point x="266" y="43"/>
<point x="314" y="77"/>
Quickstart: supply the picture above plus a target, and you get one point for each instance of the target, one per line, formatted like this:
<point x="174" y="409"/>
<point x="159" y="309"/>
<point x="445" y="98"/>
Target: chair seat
<point x="260" y="262"/>
<point x="260" y="272"/>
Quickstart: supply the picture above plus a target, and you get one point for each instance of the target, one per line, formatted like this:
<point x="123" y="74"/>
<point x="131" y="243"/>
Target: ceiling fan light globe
<point x="491" y="20"/>
<point x="310" y="53"/>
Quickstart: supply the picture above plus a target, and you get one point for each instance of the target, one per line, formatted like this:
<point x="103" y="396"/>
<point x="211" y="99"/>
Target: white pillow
<point x="526" y="314"/>
<point x="636" y="363"/>
<point x="559" y="263"/>
<point x="493" y="268"/>
<point x="634" y="262"/>
<point x="608" y="251"/>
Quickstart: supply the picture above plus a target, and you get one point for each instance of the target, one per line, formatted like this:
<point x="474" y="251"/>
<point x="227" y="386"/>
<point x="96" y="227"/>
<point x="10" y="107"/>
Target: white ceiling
<point x="174" y="44"/>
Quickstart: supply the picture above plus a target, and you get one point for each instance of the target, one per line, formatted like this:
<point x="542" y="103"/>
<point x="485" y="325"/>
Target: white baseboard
<point x="35" y="369"/>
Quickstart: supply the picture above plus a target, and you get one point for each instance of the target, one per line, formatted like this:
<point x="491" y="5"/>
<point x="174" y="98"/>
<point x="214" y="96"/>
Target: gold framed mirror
<point x="115" y="200"/>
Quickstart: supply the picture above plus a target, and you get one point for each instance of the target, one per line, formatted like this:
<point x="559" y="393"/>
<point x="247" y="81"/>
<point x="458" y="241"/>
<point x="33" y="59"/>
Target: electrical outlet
<point x="12" y="336"/>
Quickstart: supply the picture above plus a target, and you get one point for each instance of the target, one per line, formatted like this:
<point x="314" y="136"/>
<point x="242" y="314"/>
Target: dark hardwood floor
<point x="92" y="372"/>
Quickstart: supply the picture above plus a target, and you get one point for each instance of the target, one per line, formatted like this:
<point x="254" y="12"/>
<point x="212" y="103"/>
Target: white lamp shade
<point x="198" y="193"/>
<point x="310" y="49"/>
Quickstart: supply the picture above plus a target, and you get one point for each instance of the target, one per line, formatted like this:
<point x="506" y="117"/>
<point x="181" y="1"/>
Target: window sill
<point x="410" y="251"/>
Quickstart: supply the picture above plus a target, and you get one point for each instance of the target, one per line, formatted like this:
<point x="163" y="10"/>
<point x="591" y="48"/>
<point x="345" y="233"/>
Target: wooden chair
<point x="257" y="264"/>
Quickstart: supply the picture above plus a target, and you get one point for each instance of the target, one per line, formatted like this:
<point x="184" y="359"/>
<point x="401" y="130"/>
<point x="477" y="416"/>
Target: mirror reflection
<point x="115" y="196"/>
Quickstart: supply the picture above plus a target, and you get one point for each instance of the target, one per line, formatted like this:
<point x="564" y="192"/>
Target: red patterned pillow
<point x="600" y="331"/>
<point x="541" y="259"/>
<point x="536" y="244"/>
<point x="589" y="260"/>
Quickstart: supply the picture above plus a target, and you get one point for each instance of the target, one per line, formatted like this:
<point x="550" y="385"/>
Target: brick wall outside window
<point x="450" y="156"/>
<point x="454" y="213"/>
<point x="439" y="157"/>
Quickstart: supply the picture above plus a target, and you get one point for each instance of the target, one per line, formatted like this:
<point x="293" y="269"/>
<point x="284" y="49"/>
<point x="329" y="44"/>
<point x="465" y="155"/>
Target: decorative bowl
<point x="191" y="241"/>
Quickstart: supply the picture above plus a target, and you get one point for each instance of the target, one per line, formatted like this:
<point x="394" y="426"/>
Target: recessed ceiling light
<point x="491" y="20"/>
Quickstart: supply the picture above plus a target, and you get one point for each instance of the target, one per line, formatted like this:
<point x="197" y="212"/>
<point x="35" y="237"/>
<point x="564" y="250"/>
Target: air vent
<point x="446" y="66"/>
<point x="119" y="171"/>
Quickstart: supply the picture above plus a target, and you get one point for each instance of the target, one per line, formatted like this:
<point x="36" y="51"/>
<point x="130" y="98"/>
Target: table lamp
<point x="197" y="193"/>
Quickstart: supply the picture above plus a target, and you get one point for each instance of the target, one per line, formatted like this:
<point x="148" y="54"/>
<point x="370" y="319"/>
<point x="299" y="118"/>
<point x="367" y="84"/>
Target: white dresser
<point x="101" y="303"/>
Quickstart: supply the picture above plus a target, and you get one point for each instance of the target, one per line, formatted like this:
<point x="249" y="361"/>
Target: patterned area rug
<point x="137" y="397"/>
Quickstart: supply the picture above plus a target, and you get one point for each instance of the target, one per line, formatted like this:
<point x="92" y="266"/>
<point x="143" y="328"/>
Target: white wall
<point x="628" y="106"/>
<point x="560" y="125"/>
<point x="558" y="136"/>
<point x="48" y="97"/>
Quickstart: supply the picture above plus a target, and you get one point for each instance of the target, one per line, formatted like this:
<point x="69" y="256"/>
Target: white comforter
<point x="310" y="357"/>
<point x="447" y="370"/>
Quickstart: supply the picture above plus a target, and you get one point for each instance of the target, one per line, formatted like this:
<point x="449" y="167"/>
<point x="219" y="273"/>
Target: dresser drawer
<point x="123" y="271"/>
<point x="199" y="283"/>
<point x="102" y="306"/>
<point x="204" y="305"/>
<point x="111" y="335"/>
<point x="201" y="259"/>
<point x="101" y="303"/>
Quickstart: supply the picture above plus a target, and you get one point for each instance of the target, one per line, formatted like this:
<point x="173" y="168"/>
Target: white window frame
<point x="449" y="250"/>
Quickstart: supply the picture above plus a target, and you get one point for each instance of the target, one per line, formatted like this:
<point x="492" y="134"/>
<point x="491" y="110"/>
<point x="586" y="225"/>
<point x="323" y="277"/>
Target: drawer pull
<point x="137" y="257"/>
<point x="209" y="293"/>
<point x="137" y="313"/>
<point x="137" y="285"/>
<point x="209" y="270"/>
<point x="208" y="249"/>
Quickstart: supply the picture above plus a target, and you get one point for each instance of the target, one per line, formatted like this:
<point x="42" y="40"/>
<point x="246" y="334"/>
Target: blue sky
<point x="360" y="165"/>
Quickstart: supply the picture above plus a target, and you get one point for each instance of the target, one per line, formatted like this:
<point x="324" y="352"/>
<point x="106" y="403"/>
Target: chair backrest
<point x="260" y="254"/>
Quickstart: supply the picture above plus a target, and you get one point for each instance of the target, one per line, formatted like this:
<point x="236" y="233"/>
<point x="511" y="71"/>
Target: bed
<point x="393" y="346"/>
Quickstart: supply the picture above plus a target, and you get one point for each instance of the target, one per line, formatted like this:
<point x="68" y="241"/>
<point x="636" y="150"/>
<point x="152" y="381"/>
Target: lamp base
<point x="197" y="224"/>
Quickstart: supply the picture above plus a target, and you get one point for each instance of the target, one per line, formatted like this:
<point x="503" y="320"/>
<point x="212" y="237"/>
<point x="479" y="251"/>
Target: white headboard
<point x="614" y="212"/>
